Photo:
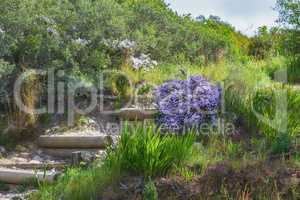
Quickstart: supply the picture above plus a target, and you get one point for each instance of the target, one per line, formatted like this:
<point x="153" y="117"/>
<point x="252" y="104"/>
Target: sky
<point x="245" y="15"/>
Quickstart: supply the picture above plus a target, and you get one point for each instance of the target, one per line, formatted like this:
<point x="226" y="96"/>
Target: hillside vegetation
<point x="149" y="49"/>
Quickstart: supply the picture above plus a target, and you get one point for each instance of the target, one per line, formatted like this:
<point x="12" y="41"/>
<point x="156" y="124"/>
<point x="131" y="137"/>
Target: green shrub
<point x="150" y="192"/>
<point x="77" y="184"/>
<point x="145" y="151"/>
<point x="281" y="144"/>
<point x="293" y="70"/>
<point x="262" y="106"/>
<point x="280" y="104"/>
<point x="275" y="65"/>
<point x="145" y="89"/>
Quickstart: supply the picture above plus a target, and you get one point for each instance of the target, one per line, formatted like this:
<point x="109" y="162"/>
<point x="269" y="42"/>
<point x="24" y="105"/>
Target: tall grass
<point x="76" y="184"/>
<point x="145" y="151"/>
<point x="294" y="70"/>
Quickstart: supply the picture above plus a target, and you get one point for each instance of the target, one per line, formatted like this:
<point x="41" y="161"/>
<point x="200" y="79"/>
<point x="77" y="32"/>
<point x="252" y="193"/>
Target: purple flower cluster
<point x="187" y="103"/>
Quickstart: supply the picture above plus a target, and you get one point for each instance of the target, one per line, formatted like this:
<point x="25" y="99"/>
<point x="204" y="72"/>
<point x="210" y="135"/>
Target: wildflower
<point x="143" y="62"/>
<point x="187" y="103"/>
<point x="81" y="41"/>
<point x="126" y="44"/>
<point x="1" y="31"/>
<point x="47" y="20"/>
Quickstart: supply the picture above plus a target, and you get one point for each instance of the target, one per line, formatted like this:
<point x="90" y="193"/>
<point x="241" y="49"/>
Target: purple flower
<point x="187" y="103"/>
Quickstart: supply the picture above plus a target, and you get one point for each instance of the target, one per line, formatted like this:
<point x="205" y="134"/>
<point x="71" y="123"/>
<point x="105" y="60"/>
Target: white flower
<point x="1" y="31"/>
<point x="114" y="44"/>
<point x="143" y="62"/>
<point x="126" y="44"/>
<point x="117" y="44"/>
<point x="48" y="20"/>
<point x="110" y="43"/>
<point x="81" y="41"/>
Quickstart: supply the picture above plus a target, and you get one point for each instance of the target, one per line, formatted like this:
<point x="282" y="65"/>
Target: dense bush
<point x="261" y="105"/>
<point x="6" y="70"/>
<point x="290" y="18"/>
<point x="261" y="45"/>
<point x="281" y="144"/>
<point x="187" y="103"/>
<point x="86" y="36"/>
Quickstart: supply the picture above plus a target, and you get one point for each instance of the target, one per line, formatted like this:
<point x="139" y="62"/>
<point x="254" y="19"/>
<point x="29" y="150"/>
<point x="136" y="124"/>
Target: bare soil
<point x="249" y="182"/>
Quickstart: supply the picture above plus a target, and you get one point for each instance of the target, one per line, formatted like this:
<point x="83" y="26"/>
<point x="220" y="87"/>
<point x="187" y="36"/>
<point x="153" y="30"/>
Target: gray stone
<point x="3" y="152"/>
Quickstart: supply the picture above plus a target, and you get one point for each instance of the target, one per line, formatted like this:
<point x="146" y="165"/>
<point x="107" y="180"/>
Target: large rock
<point x="74" y="141"/>
<point x="3" y="152"/>
<point x="67" y="153"/>
<point x="12" y="176"/>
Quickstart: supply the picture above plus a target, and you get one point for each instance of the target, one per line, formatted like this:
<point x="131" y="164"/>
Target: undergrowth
<point x="141" y="151"/>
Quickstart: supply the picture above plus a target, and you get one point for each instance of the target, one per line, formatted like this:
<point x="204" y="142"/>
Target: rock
<point x="3" y="152"/>
<point x="34" y="162"/>
<point x="92" y="124"/>
<point x="25" y="155"/>
<point x="76" y="158"/>
<point x="39" y="152"/>
<point x="75" y="141"/>
<point x="17" y="198"/>
<point x="38" y="158"/>
<point x="20" y="148"/>
<point x="18" y="160"/>
<point x="88" y="156"/>
<point x="31" y="147"/>
<point x="82" y="156"/>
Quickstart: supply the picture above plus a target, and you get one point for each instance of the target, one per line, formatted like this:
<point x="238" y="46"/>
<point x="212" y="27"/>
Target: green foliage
<point x="81" y="120"/>
<point x="293" y="70"/>
<point x="150" y="192"/>
<point x="122" y="85"/>
<point x="275" y="66"/>
<point x="145" y="89"/>
<point x="289" y="12"/>
<point x="144" y="151"/>
<point x="59" y="31"/>
<point x="290" y="18"/>
<point x="77" y="184"/>
<point x="261" y="45"/>
<point x="6" y="70"/>
<point x="281" y="144"/>
<point x="78" y="34"/>
<point x="140" y="150"/>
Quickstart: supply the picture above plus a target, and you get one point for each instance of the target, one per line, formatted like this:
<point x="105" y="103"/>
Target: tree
<point x="289" y="11"/>
<point x="261" y="44"/>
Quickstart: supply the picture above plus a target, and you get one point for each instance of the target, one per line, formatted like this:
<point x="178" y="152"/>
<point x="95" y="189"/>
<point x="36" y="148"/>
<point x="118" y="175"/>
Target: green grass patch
<point x="145" y="151"/>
